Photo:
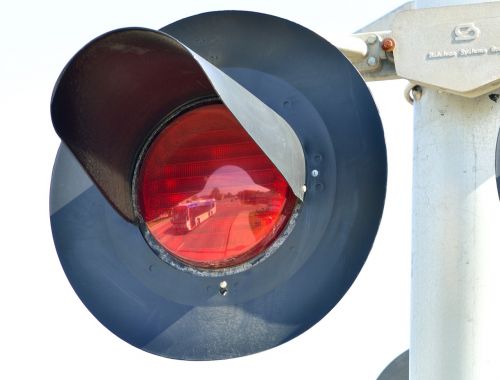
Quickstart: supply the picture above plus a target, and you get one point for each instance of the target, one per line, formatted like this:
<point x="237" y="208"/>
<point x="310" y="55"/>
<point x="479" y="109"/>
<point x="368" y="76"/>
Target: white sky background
<point x="46" y="332"/>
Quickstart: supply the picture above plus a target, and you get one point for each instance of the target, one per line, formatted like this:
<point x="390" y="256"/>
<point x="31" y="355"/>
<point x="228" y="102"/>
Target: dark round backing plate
<point x="178" y="314"/>
<point x="398" y="369"/>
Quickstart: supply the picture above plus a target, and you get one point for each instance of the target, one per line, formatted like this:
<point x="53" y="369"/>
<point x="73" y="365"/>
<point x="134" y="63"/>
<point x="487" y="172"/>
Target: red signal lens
<point x="208" y="194"/>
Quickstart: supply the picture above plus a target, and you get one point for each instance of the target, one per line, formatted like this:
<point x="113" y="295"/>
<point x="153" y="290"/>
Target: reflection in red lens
<point x="208" y="194"/>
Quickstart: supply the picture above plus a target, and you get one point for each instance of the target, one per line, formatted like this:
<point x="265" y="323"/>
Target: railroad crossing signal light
<point x="219" y="185"/>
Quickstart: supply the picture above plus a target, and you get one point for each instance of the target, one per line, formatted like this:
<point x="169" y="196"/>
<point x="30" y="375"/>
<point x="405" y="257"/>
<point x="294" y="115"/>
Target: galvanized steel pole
<point x="455" y="322"/>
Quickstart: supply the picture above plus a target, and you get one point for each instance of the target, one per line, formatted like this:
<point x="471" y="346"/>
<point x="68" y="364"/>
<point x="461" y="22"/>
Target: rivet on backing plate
<point x="223" y="288"/>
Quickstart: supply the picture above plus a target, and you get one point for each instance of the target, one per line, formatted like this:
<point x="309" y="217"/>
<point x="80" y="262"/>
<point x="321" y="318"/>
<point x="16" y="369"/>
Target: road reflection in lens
<point x="207" y="192"/>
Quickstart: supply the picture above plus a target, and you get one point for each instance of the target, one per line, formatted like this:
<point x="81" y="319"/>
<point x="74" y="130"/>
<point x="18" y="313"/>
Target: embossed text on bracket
<point x="470" y="52"/>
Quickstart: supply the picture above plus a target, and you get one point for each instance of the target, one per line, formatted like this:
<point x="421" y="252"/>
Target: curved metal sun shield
<point x="118" y="88"/>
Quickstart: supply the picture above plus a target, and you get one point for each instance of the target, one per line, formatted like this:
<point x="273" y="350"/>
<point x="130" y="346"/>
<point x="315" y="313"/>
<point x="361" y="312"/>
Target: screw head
<point x="371" y="39"/>
<point x="372" y="61"/>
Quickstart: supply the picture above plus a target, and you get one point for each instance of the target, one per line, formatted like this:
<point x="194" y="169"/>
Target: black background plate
<point x="160" y="309"/>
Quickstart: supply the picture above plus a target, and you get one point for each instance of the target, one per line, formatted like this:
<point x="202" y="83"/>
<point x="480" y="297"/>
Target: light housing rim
<point x="162" y="252"/>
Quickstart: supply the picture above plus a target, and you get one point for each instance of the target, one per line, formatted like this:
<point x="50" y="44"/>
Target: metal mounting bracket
<point x="435" y="47"/>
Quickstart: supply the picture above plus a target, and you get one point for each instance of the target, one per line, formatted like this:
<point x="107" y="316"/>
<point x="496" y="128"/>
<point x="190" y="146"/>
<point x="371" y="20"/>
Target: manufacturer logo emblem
<point x="466" y="32"/>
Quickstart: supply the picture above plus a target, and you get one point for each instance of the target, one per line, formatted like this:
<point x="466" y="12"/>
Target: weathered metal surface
<point x="455" y="49"/>
<point x="456" y="215"/>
